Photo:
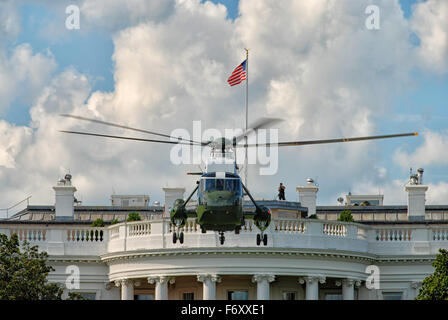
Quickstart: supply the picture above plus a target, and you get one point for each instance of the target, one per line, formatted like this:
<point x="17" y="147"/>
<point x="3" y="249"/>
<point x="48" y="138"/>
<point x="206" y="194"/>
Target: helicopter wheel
<point x="203" y="230"/>
<point x="181" y="237"/>
<point x="237" y="230"/>
<point x="265" y="239"/>
<point x="174" y="237"/>
<point x="258" y="239"/>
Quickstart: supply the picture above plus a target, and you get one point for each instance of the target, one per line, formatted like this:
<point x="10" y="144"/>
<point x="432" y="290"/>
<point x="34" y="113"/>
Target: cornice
<point x="286" y="252"/>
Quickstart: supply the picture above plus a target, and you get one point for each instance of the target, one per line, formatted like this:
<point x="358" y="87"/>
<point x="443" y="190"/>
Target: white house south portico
<point x="305" y="259"/>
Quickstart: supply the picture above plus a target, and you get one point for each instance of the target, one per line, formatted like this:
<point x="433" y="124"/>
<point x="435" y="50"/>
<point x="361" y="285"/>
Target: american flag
<point x="238" y="75"/>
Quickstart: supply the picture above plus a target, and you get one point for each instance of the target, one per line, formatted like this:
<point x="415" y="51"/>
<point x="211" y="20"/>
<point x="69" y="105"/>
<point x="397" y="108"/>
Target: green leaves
<point x="346" y="216"/>
<point x="23" y="274"/>
<point x="133" y="216"/>
<point x="98" y="223"/>
<point x="435" y="286"/>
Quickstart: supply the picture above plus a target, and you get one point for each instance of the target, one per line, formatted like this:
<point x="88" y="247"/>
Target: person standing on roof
<point x="281" y="192"/>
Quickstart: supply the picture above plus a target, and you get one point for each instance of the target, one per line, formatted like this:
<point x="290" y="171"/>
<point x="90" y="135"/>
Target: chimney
<point x="64" y="199"/>
<point x="171" y="195"/>
<point x="416" y="196"/>
<point x="308" y="195"/>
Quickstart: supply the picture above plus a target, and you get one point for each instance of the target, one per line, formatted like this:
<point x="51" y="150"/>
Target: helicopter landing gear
<point x="203" y="230"/>
<point x="237" y="230"/>
<point x="262" y="237"/>
<point x="178" y="236"/>
<point x="221" y="237"/>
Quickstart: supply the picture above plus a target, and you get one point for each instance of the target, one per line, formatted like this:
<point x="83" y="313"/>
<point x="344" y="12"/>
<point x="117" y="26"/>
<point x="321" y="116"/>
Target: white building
<point x="304" y="259"/>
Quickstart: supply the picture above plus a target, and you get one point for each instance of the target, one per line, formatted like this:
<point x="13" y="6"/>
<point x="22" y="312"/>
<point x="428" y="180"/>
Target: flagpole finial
<point x="247" y="51"/>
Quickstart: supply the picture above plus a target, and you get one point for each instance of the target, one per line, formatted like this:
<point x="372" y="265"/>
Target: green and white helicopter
<point x="220" y="190"/>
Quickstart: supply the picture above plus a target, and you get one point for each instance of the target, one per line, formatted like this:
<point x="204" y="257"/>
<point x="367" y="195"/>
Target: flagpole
<point x="247" y="115"/>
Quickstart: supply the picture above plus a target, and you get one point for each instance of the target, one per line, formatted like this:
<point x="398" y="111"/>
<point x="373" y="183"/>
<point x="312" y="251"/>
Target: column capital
<point x="161" y="279"/>
<point x="312" y="279"/>
<point x="348" y="282"/>
<point x="263" y="277"/>
<point x="107" y="285"/>
<point x="123" y="282"/>
<point x="209" y="277"/>
<point x="416" y="284"/>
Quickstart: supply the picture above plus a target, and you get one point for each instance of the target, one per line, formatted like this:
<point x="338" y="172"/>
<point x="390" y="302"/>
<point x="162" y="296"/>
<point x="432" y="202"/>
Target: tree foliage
<point x="23" y="274"/>
<point x="133" y="216"/>
<point x="435" y="286"/>
<point x="346" y="216"/>
<point x="98" y="223"/>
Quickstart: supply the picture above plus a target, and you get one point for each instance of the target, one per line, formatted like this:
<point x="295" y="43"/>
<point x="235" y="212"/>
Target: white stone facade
<point x="304" y="259"/>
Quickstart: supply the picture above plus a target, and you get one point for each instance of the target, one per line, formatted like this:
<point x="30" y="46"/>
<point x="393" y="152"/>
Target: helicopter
<point x="220" y="190"/>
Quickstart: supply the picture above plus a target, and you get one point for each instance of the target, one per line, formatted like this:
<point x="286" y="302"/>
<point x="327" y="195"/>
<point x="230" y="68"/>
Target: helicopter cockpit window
<point x="220" y="184"/>
<point x="232" y="185"/>
<point x="209" y="184"/>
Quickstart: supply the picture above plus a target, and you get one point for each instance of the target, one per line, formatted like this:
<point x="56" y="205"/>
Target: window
<point x="209" y="184"/>
<point x="188" y="296"/>
<point x="228" y="184"/>
<point x="392" y="295"/>
<point x="220" y="184"/>
<point x="237" y="295"/>
<point x="289" y="295"/>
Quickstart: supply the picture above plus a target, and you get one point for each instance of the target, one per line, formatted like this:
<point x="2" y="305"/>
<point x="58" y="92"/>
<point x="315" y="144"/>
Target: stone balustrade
<point x="307" y="234"/>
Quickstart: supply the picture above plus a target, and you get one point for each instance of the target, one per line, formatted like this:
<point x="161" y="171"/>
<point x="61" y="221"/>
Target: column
<point x="161" y="286"/>
<point x="209" y="285"/>
<point x="127" y="288"/>
<point x="348" y="288"/>
<point x="312" y="286"/>
<point x="263" y="285"/>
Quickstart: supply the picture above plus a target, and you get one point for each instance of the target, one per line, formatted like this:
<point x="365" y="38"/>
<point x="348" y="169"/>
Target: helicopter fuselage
<point x="220" y="202"/>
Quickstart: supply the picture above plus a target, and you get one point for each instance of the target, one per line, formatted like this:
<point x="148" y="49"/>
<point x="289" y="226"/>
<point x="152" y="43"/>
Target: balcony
<point x="284" y="235"/>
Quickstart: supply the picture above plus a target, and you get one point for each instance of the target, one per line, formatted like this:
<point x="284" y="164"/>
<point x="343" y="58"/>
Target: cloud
<point x="395" y="194"/>
<point x="9" y="21"/>
<point x="433" y="151"/>
<point x="312" y="63"/>
<point x="23" y="74"/>
<point x="117" y="14"/>
<point x="430" y="22"/>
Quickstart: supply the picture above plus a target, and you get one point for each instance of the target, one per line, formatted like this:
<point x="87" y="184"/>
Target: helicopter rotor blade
<point x="310" y="142"/>
<point x="259" y="124"/>
<point x="126" y="138"/>
<point x="129" y="128"/>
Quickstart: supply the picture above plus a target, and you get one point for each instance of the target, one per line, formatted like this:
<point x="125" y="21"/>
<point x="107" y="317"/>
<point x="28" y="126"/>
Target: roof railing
<point x="8" y="210"/>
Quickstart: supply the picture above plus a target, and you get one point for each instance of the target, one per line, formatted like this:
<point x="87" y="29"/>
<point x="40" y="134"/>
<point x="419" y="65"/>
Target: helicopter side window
<point x="220" y="184"/>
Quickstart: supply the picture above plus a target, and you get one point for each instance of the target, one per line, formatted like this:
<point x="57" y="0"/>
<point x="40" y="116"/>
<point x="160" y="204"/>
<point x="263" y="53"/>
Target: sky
<point x="160" y="65"/>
